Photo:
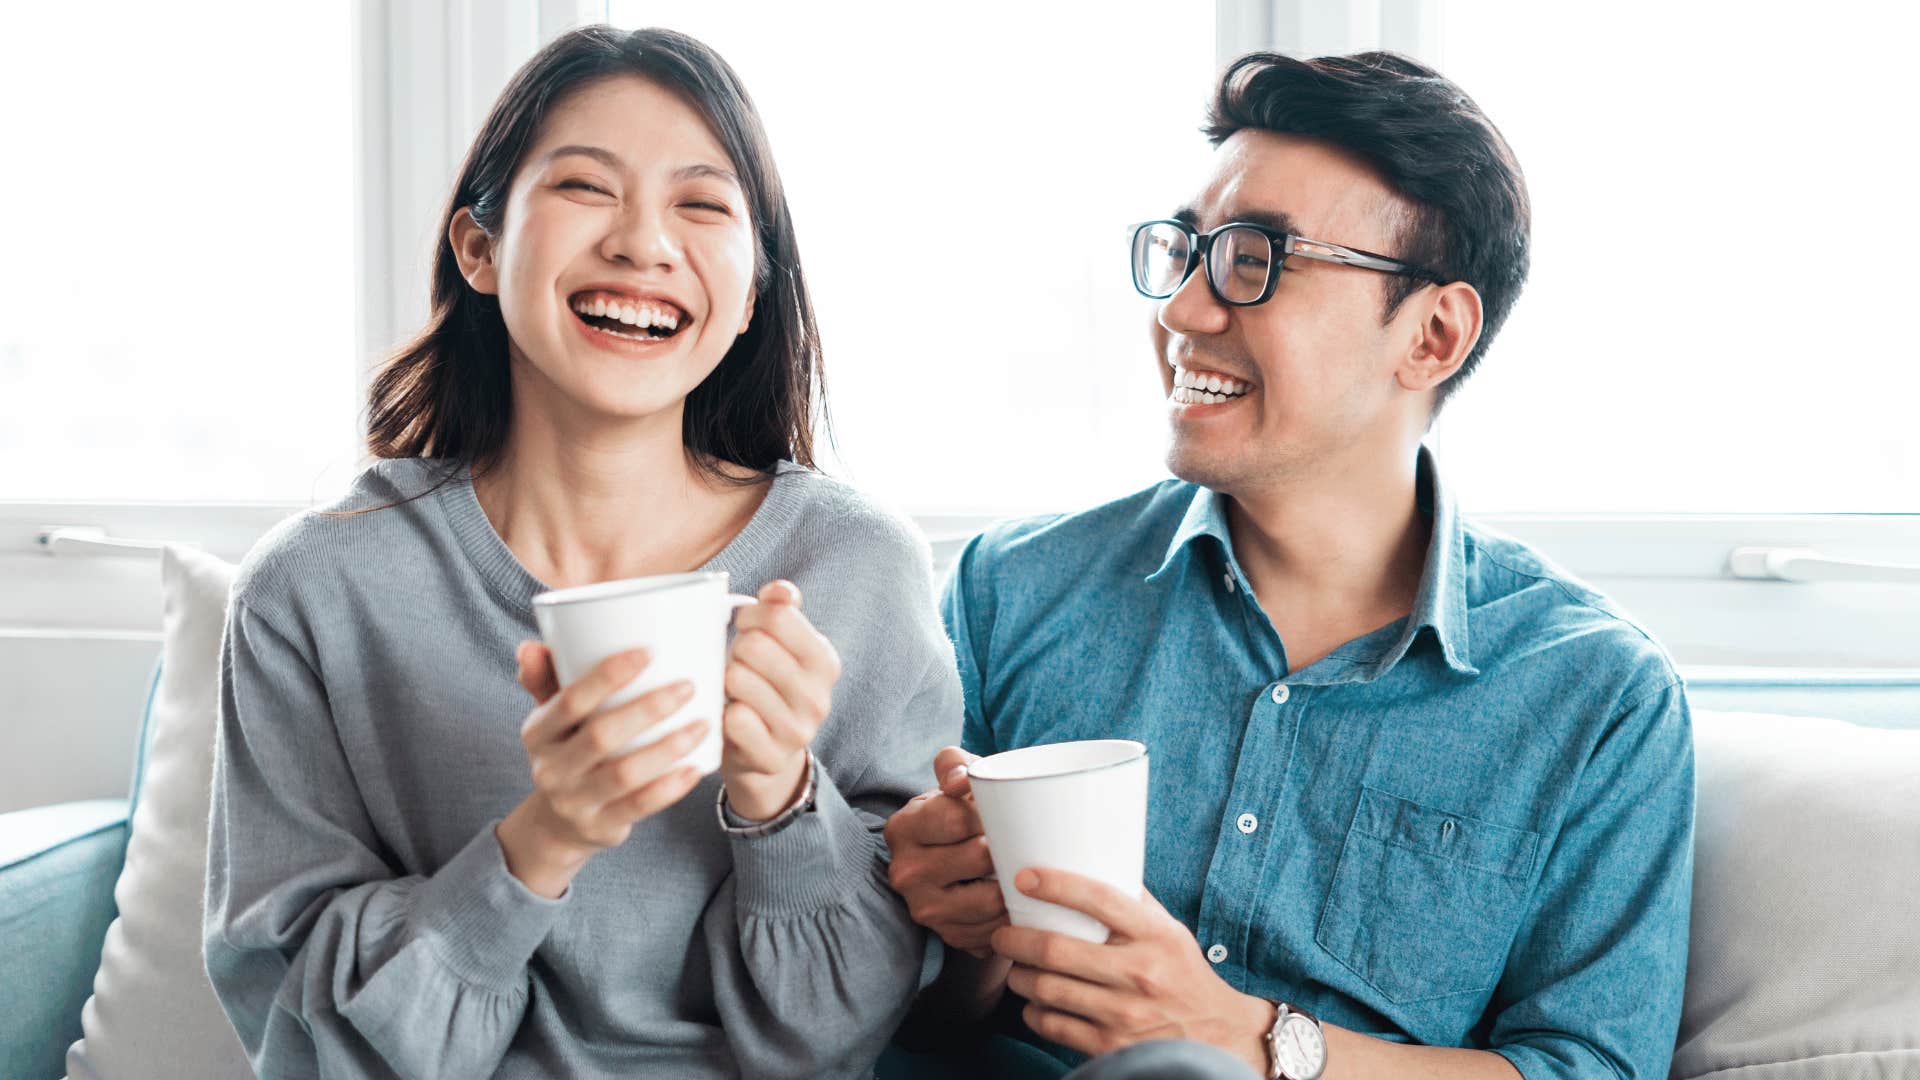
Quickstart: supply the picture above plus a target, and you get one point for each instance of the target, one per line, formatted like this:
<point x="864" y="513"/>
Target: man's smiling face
<point x="1315" y="366"/>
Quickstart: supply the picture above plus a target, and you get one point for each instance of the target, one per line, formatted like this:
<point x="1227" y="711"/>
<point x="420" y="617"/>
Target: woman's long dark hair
<point x="447" y="394"/>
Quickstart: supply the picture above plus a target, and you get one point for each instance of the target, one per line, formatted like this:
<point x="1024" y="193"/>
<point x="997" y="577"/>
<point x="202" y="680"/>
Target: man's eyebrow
<point x="612" y="161"/>
<point x="1272" y="219"/>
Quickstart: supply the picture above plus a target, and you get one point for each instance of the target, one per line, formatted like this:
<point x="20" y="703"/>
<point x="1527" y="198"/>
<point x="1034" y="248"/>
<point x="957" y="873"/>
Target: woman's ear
<point x="473" y="249"/>
<point x="746" y="320"/>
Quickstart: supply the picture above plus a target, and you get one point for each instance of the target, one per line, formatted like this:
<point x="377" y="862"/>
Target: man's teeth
<point x="634" y="313"/>
<point x="1197" y="388"/>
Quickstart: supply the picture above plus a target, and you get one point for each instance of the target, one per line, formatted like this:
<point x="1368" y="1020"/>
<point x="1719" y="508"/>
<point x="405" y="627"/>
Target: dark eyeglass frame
<point x="1282" y="246"/>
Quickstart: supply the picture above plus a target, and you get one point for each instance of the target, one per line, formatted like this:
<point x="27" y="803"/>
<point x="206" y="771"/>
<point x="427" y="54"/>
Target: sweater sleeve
<point x="815" y="958"/>
<point x="327" y="959"/>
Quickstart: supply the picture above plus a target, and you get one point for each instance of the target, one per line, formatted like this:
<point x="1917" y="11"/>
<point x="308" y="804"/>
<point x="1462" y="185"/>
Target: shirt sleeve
<point x="327" y="960"/>
<point x="1593" y="985"/>
<point x="815" y="959"/>
<point x="956" y="612"/>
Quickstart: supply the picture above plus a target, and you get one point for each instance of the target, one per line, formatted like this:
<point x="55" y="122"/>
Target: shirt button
<point x="1281" y="694"/>
<point x="1216" y="953"/>
<point x="1248" y="823"/>
<point x="1228" y="578"/>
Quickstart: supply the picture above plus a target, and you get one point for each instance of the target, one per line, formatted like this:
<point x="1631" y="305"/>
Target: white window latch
<point x="93" y="541"/>
<point x="1809" y="565"/>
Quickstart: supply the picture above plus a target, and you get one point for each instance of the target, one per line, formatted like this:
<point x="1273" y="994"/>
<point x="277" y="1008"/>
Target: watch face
<point x="1300" y="1048"/>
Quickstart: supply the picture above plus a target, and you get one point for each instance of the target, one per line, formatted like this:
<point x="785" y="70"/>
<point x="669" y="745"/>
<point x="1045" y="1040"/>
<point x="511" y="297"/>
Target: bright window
<point x="1724" y="230"/>
<point x="176" y="300"/>
<point x="961" y="179"/>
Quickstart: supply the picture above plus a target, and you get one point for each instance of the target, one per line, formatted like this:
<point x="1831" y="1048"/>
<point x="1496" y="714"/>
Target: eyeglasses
<point x="1243" y="260"/>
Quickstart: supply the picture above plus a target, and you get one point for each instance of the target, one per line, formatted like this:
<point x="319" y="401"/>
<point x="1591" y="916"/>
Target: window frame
<point x="426" y="74"/>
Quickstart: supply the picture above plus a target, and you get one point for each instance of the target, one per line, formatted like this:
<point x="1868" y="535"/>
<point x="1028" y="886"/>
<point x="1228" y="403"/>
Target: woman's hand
<point x="588" y="789"/>
<point x="780" y="681"/>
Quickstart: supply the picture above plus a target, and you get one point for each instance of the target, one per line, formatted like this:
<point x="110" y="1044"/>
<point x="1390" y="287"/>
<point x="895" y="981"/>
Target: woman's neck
<point x="576" y="509"/>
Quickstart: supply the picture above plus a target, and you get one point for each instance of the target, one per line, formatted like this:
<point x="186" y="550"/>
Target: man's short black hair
<point x="1434" y="146"/>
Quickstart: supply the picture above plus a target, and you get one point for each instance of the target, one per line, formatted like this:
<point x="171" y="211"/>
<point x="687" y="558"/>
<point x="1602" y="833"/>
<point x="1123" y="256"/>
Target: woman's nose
<point x="642" y="238"/>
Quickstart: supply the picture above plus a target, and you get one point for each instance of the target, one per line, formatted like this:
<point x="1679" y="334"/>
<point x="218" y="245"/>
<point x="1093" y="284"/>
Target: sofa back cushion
<point x="1805" y="957"/>
<point x="153" y="1014"/>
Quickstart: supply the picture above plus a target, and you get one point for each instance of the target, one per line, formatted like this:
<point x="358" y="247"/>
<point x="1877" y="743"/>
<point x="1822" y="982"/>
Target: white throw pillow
<point x="153" y="1014"/>
<point x="1805" y="959"/>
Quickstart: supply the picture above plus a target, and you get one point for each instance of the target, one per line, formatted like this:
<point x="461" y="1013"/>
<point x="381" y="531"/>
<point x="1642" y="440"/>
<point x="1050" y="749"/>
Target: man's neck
<point x="1333" y="555"/>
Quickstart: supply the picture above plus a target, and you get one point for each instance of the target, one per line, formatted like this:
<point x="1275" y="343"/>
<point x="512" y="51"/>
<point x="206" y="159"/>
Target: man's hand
<point x="1149" y="981"/>
<point x="940" y="864"/>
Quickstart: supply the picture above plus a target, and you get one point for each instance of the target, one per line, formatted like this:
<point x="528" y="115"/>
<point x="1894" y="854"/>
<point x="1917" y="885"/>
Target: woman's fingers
<point x="611" y="733"/>
<point x="569" y="707"/>
<point x="790" y="627"/>
<point x="748" y="742"/>
<point x="653" y="797"/>
<point x="622" y="776"/>
<point x="751" y="688"/>
<point x="536" y="671"/>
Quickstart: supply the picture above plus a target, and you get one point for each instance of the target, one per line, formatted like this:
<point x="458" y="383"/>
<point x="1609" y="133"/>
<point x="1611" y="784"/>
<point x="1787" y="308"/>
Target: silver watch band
<point x="791" y="814"/>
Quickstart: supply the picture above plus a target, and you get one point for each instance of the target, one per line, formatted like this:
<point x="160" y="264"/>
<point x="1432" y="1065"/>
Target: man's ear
<point x="473" y="249"/>
<point x="1445" y="335"/>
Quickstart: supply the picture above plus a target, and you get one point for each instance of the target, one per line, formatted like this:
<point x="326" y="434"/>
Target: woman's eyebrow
<point x="612" y="161"/>
<point x="703" y="171"/>
<point x="605" y="157"/>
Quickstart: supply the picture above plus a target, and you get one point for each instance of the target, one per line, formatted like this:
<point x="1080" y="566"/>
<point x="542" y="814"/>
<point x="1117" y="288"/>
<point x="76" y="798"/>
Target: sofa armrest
<point x="58" y="865"/>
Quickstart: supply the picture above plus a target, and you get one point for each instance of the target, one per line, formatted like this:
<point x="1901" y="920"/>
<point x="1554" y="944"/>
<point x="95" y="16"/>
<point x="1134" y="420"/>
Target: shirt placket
<point x="1230" y="897"/>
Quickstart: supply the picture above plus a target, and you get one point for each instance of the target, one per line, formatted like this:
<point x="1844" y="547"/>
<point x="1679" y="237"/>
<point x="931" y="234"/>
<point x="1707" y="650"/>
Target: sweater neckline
<point x="746" y="557"/>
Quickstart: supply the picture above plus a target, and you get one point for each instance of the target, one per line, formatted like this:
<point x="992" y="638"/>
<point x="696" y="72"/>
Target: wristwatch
<point x="1296" y="1045"/>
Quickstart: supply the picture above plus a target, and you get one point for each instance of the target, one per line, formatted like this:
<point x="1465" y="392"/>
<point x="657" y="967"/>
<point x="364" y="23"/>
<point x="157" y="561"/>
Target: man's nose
<point x="1193" y="309"/>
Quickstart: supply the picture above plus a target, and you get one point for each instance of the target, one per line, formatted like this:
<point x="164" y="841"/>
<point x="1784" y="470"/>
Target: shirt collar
<point x="1440" y="605"/>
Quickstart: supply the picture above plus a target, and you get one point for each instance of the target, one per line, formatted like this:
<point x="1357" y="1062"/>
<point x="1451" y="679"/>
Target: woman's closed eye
<point x="583" y="186"/>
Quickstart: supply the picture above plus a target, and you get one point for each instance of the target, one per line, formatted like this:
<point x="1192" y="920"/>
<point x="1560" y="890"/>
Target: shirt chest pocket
<point x="1425" y="902"/>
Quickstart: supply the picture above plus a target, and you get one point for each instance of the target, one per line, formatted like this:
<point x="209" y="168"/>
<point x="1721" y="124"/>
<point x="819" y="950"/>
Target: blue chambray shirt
<point x="1472" y="827"/>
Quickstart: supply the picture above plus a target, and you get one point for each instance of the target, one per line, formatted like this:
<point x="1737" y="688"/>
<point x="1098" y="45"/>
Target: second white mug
<point x="1075" y="806"/>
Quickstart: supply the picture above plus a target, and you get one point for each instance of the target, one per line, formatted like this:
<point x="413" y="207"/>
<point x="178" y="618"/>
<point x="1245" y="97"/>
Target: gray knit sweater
<point x="360" y="917"/>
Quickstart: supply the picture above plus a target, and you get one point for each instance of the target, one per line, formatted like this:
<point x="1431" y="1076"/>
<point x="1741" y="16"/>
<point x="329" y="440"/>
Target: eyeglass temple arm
<point x="1346" y="256"/>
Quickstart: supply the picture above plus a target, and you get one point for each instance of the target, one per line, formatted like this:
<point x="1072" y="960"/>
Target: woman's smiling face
<point x="625" y="262"/>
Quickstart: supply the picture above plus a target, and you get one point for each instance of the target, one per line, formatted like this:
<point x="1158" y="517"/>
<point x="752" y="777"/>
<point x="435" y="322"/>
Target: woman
<point x="410" y="873"/>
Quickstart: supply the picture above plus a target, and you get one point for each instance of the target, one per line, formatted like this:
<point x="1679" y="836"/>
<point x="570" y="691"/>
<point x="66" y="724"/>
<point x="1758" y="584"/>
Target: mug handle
<point x="735" y="602"/>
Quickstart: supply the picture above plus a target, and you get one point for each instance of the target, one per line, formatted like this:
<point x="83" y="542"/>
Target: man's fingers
<point x="1064" y="1028"/>
<point x="943" y="819"/>
<point x="947" y="771"/>
<point x="1122" y="914"/>
<point x="1101" y="1004"/>
<point x="1058" y="952"/>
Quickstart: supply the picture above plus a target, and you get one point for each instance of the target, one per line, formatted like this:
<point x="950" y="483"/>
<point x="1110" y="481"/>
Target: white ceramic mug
<point x="681" y="619"/>
<point x="1076" y="806"/>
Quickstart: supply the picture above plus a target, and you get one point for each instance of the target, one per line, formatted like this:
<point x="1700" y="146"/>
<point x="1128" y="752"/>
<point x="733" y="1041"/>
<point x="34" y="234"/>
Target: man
<point x="1421" y="803"/>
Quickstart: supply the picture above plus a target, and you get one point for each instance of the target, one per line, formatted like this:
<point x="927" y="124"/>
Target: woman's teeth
<point x="654" y="320"/>
<point x="1195" y="388"/>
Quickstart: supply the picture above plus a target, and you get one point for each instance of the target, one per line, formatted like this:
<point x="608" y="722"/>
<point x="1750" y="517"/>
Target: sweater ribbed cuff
<point x="813" y="863"/>
<point x="484" y="923"/>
